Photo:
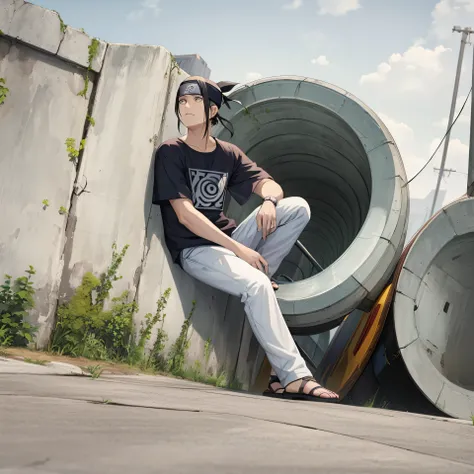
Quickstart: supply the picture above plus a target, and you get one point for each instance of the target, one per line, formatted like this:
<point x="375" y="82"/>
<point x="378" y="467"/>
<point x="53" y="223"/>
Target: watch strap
<point x="271" y="199"/>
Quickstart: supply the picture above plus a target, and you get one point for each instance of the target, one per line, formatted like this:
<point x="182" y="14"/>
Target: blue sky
<point x="398" y="56"/>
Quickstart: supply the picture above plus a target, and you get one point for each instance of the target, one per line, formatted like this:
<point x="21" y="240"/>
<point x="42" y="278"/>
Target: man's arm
<point x="200" y="225"/>
<point x="268" y="187"/>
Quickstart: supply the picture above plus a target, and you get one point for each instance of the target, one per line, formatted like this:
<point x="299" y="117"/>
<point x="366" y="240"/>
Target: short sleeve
<point x="245" y="177"/>
<point x="169" y="176"/>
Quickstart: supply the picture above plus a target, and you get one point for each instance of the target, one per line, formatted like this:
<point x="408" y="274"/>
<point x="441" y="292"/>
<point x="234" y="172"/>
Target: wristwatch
<point x="271" y="199"/>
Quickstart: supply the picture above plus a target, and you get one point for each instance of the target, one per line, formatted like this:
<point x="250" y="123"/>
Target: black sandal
<point x="300" y="395"/>
<point x="270" y="392"/>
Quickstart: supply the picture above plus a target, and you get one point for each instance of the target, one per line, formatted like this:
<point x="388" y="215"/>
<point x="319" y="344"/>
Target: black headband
<point x="214" y="94"/>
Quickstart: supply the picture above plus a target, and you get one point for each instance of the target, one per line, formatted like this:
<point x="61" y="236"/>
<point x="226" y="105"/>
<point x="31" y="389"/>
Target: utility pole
<point x="470" y="169"/>
<point x="449" y="170"/>
<point x="465" y="34"/>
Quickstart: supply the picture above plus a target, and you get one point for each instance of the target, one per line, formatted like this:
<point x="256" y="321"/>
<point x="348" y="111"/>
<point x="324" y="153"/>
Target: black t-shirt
<point x="204" y="178"/>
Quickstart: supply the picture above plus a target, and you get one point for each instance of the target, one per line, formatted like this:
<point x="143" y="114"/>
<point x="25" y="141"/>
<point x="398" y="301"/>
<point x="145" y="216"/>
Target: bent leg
<point x="222" y="269"/>
<point x="292" y="215"/>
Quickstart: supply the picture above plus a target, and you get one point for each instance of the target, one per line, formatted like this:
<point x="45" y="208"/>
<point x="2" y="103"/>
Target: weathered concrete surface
<point x="42" y="28"/>
<point x="41" y="111"/>
<point x="75" y="47"/>
<point x="155" y="424"/>
<point x="12" y="366"/>
<point x="33" y="24"/>
<point x="129" y="103"/>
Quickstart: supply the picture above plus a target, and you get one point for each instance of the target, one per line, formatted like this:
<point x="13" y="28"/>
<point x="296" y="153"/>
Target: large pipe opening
<point x="314" y="154"/>
<point x="434" y="320"/>
<point x="444" y="317"/>
<point x="322" y="144"/>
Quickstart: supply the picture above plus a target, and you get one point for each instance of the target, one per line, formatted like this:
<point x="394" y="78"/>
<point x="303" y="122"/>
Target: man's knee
<point x="299" y="206"/>
<point x="258" y="283"/>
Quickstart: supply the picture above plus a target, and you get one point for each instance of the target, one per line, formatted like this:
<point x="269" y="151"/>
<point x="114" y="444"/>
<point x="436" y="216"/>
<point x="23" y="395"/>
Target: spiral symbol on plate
<point x="208" y="188"/>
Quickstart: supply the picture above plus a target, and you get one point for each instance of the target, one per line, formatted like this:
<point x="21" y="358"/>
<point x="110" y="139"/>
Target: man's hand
<point x="266" y="219"/>
<point x="252" y="257"/>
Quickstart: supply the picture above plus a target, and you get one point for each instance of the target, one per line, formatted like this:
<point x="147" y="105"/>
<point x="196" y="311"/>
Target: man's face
<point x="191" y="110"/>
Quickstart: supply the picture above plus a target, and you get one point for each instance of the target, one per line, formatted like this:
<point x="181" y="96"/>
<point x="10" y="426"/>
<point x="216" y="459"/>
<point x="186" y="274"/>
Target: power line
<point x="441" y="142"/>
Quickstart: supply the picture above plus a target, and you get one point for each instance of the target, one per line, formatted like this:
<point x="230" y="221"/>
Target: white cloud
<point x="147" y="7"/>
<point x="321" y="61"/>
<point x="378" y="76"/>
<point x="417" y="64"/>
<point x="448" y="13"/>
<point x="253" y="76"/>
<point x="294" y="5"/>
<point x="337" y="7"/>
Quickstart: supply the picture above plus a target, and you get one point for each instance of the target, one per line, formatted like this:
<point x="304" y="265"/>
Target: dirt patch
<point x="110" y="368"/>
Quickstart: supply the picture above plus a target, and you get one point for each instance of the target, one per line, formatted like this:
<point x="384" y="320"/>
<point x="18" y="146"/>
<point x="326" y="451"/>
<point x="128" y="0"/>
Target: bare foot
<point x="310" y="387"/>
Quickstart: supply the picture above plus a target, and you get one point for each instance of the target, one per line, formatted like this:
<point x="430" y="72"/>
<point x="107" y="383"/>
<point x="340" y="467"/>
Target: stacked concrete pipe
<point x="433" y="310"/>
<point x="323" y="144"/>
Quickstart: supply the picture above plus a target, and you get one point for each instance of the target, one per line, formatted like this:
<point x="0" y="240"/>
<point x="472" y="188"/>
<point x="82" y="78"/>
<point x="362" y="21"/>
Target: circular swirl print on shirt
<point x="208" y="188"/>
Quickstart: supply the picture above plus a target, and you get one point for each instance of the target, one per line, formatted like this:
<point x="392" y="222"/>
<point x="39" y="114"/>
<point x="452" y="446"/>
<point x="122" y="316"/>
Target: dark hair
<point x="207" y="106"/>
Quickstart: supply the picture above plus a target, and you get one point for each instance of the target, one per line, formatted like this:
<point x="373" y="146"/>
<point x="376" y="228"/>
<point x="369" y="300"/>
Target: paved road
<point x="142" y="424"/>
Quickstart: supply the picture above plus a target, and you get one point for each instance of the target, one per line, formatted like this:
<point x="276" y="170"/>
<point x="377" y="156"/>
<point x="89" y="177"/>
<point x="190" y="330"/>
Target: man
<point x="192" y="175"/>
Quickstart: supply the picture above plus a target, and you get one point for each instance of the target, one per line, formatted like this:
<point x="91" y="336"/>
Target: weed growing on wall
<point x="93" y="50"/>
<point x="62" y="210"/>
<point x="3" y="90"/>
<point x="84" y="328"/>
<point x="91" y="120"/>
<point x="155" y="359"/>
<point x="16" y="299"/>
<point x="72" y="152"/>
<point x="45" y="203"/>
<point x="174" y="65"/>
<point x="177" y="355"/>
<point x="62" y="25"/>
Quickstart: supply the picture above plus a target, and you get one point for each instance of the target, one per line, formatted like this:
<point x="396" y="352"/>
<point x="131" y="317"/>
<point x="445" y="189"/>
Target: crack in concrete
<point x="409" y="344"/>
<point x="439" y="394"/>
<point x="61" y="42"/>
<point x="386" y="142"/>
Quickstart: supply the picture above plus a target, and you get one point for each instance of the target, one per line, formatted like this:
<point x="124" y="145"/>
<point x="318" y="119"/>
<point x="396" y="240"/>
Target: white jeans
<point x="222" y="269"/>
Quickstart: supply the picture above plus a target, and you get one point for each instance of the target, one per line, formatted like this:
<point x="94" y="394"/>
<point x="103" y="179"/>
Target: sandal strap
<point x="304" y="382"/>
<point x="274" y="379"/>
<point x="314" y="389"/>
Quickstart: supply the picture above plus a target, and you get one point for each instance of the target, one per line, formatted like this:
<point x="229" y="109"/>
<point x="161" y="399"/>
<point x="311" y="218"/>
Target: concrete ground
<point x="55" y="420"/>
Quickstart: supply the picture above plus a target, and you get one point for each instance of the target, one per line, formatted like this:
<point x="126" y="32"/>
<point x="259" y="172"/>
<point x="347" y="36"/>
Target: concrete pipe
<point x="433" y="310"/>
<point x="323" y="144"/>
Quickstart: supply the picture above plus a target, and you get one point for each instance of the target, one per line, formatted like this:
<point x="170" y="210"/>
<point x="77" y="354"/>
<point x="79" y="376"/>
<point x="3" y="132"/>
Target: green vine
<point x="3" y="90"/>
<point x="62" y="25"/>
<point x="93" y="51"/>
<point x="72" y="152"/>
<point x="155" y="358"/>
<point x="178" y="351"/>
<point x="91" y="120"/>
<point x="174" y="65"/>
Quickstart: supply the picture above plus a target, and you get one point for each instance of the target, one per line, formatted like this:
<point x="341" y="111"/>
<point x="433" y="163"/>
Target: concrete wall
<point x="108" y="196"/>
<point x="41" y="111"/>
